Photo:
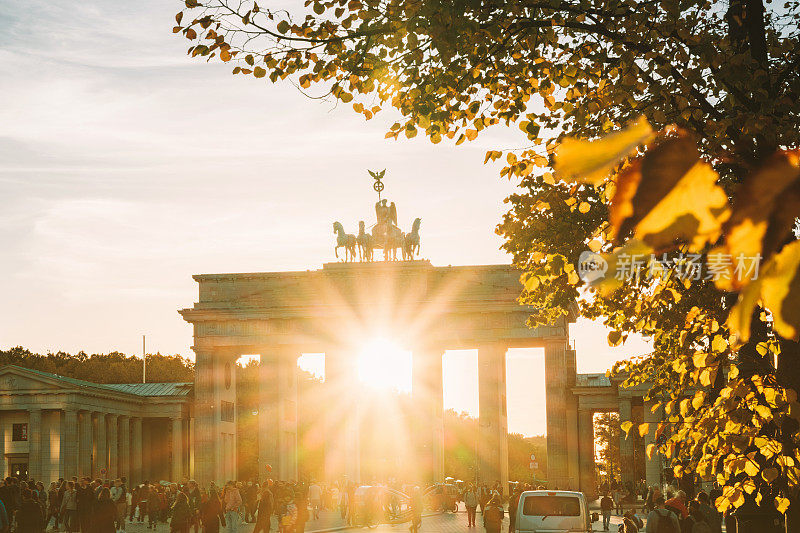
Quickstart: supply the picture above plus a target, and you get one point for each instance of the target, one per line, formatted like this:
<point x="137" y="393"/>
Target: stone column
<point x="113" y="446"/>
<point x="426" y="388"/>
<point x="136" y="449"/>
<point x="85" y="444"/>
<point x="277" y="414"/>
<point x="100" y="447"/>
<point x="556" y="400"/>
<point x="50" y="428"/>
<point x="287" y="411"/>
<point x="191" y="448"/>
<point x="177" y="449"/>
<point x="268" y="417"/>
<point x="343" y="439"/>
<point x="573" y="452"/>
<point x="150" y="461"/>
<point x="653" y="467"/>
<point x="493" y="418"/>
<point x="626" y="440"/>
<point x="207" y="439"/>
<point x="69" y="443"/>
<point x="35" y="443"/>
<point x="3" y="460"/>
<point x="215" y="399"/>
<point x="124" y="463"/>
<point x="586" y="455"/>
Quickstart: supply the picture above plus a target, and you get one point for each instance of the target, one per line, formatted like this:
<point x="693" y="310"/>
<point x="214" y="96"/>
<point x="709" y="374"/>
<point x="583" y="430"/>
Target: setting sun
<point x="383" y="365"/>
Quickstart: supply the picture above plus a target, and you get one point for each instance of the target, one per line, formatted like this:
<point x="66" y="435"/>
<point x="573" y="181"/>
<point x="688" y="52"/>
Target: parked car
<point x="554" y="511"/>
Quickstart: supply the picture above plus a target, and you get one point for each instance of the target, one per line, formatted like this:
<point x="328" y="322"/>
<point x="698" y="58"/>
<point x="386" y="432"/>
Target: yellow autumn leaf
<point x="736" y="498"/>
<point x="777" y="282"/>
<point x="751" y="468"/>
<point x="770" y="474"/>
<point x="692" y="212"/>
<point x="708" y="375"/>
<point x="643" y="182"/>
<point x="624" y="265"/>
<point x="764" y="412"/>
<point x="701" y="359"/>
<point x="584" y="207"/>
<point x="782" y="504"/>
<point x="699" y="398"/>
<point x="614" y="338"/>
<point x="719" y="344"/>
<point x="644" y="429"/>
<point x="626" y="426"/>
<point x="684" y="407"/>
<point x="650" y="450"/>
<point x="592" y="161"/>
<point x="779" y="290"/>
<point x="756" y="199"/>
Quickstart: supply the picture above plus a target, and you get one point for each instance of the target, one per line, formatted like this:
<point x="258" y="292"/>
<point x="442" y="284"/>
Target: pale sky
<point x="127" y="167"/>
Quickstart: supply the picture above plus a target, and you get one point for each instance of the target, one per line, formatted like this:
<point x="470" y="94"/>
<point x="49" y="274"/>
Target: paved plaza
<point x="329" y="520"/>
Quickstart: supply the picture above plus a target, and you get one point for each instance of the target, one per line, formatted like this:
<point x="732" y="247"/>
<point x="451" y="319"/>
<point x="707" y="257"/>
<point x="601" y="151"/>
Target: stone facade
<point x="597" y="393"/>
<point x="55" y="427"/>
<point x="280" y="315"/>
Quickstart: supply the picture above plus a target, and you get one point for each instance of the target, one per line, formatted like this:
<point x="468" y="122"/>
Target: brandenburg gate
<point x="425" y="309"/>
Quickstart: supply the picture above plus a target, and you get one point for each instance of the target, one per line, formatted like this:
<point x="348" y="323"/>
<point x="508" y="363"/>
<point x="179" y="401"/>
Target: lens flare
<point x="383" y="365"/>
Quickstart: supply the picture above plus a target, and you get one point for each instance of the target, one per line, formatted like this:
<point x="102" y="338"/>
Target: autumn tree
<point x="717" y="86"/>
<point x="607" y="453"/>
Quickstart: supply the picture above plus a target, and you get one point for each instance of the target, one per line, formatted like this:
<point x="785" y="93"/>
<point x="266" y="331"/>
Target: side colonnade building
<point x="55" y="427"/>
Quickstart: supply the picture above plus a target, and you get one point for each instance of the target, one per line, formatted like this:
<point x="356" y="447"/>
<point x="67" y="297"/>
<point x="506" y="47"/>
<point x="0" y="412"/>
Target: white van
<point x="553" y="511"/>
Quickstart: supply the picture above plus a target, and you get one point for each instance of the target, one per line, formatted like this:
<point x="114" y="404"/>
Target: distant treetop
<point x="114" y="367"/>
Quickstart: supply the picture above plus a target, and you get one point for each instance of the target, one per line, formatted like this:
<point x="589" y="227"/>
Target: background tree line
<point x="114" y="367"/>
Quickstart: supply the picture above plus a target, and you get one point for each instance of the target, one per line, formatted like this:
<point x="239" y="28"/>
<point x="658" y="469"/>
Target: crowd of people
<point x="88" y="505"/>
<point x="672" y="512"/>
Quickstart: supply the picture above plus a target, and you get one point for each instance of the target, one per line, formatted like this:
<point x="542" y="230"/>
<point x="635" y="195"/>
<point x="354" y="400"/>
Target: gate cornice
<point x="459" y="306"/>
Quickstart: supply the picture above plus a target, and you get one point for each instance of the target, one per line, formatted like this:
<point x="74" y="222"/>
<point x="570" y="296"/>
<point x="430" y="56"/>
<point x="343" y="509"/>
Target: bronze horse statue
<point x="346" y="241"/>
<point x="411" y="241"/>
<point x="366" y="243"/>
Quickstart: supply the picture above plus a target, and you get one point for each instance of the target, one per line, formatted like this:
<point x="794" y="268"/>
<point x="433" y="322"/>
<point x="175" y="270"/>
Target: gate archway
<point x="426" y="309"/>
